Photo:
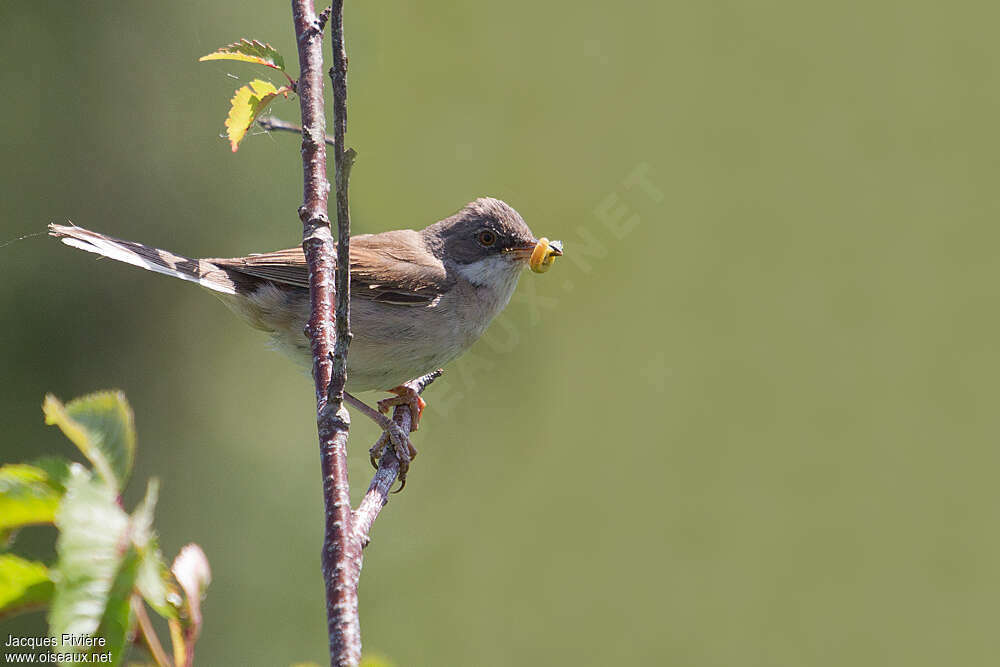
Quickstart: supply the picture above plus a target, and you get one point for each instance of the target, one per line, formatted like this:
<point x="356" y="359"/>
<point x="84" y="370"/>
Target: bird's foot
<point x="401" y="447"/>
<point x="408" y="396"/>
<point x="391" y="432"/>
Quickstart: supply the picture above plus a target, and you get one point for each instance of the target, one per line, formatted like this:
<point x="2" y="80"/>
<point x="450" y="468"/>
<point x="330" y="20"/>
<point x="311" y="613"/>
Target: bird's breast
<point x="392" y="343"/>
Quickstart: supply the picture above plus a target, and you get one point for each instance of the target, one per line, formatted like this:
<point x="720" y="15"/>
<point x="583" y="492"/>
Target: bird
<point x="419" y="299"/>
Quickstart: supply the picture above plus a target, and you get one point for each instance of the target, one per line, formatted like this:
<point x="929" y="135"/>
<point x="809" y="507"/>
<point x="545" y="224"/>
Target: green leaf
<point x="101" y="425"/>
<point x="153" y="578"/>
<point x="250" y="51"/>
<point x="28" y="496"/>
<point x="24" y="585"/>
<point x="248" y="103"/>
<point x="57" y="470"/>
<point x="142" y="517"/>
<point x="96" y="566"/>
<point x="118" y="619"/>
<point x="153" y="582"/>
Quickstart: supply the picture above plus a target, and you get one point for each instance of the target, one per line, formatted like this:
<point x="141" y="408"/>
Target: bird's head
<point x="487" y="242"/>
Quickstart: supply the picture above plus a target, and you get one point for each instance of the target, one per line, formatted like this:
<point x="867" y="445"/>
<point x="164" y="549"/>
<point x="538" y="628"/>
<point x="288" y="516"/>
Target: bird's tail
<point x="198" y="271"/>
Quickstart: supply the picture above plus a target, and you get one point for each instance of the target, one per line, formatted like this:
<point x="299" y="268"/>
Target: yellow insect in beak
<point x="544" y="254"/>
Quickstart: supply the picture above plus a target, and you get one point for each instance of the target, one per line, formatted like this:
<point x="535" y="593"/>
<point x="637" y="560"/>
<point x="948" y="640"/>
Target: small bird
<point x="418" y="298"/>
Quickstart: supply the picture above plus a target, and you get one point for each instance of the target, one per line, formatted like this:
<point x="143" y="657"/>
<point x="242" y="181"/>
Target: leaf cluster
<point x="108" y="565"/>
<point x="251" y="100"/>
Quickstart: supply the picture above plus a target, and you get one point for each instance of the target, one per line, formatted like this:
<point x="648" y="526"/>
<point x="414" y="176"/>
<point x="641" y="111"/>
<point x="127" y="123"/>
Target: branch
<point x="148" y="634"/>
<point x="272" y="124"/>
<point x="388" y="469"/>
<point x="347" y="532"/>
<point x="348" y="628"/>
<point x="343" y="159"/>
<point x="341" y="555"/>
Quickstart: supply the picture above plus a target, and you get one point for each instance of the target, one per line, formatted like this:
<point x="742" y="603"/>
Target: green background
<point x="751" y="421"/>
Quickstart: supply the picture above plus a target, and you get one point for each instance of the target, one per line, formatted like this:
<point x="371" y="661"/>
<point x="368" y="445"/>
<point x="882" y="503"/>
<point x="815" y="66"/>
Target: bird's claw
<point x="405" y="396"/>
<point x="401" y="447"/>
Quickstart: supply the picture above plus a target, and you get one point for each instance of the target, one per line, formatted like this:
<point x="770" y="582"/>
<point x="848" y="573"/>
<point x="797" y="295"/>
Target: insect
<point x="544" y="254"/>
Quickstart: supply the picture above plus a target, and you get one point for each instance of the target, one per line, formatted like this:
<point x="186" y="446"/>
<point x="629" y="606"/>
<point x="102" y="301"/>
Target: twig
<point x="148" y="634"/>
<point x="272" y="124"/>
<point x="388" y="470"/>
<point x="343" y="159"/>
<point x="324" y="16"/>
<point x="341" y="558"/>
<point x="383" y="422"/>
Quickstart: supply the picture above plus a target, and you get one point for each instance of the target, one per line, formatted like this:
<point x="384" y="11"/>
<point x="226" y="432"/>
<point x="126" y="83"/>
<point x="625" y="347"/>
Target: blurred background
<point x="747" y="420"/>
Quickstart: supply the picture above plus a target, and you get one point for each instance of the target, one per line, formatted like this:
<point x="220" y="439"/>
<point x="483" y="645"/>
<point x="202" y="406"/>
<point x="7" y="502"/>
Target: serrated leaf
<point x="24" y="585"/>
<point x="248" y="103"/>
<point x="153" y="582"/>
<point x="101" y="425"/>
<point x="93" y="560"/>
<point x="142" y="517"/>
<point x="28" y="496"/>
<point x="153" y="578"/>
<point x="118" y="618"/>
<point x="249" y="51"/>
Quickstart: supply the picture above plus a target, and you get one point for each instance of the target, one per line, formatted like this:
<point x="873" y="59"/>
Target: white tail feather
<point x="84" y="239"/>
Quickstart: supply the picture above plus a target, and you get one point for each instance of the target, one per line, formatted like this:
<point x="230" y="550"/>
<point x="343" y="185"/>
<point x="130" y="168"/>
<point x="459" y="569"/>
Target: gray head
<point x="484" y="241"/>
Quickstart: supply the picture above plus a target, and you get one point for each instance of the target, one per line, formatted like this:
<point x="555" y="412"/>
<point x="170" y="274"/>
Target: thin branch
<point x="388" y="470"/>
<point x="148" y="633"/>
<point x="383" y="422"/>
<point x="343" y="160"/>
<point x="323" y="17"/>
<point x="272" y="124"/>
<point x="341" y="556"/>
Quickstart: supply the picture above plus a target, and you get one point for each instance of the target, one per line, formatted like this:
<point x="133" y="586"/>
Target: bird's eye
<point x="486" y="238"/>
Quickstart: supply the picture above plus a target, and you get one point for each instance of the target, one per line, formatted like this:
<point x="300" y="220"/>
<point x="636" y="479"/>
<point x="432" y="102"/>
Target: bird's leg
<point x="391" y="432"/>
<point x="378" y="449"/>
<point x="408" y="396"/>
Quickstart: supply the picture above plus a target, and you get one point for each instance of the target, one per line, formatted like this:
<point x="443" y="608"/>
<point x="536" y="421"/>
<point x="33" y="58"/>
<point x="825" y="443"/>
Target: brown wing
<point x="283" y="266"/>
<point x="392" y="267"/>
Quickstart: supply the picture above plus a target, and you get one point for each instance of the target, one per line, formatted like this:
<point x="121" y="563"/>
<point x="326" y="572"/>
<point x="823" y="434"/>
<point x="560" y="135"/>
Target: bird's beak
<point x="523" y="251"/>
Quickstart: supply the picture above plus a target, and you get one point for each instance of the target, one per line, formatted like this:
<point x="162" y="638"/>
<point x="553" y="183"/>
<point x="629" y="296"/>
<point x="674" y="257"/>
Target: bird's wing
<point x="282" y="266"/>
<point x="392" y="267"/>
